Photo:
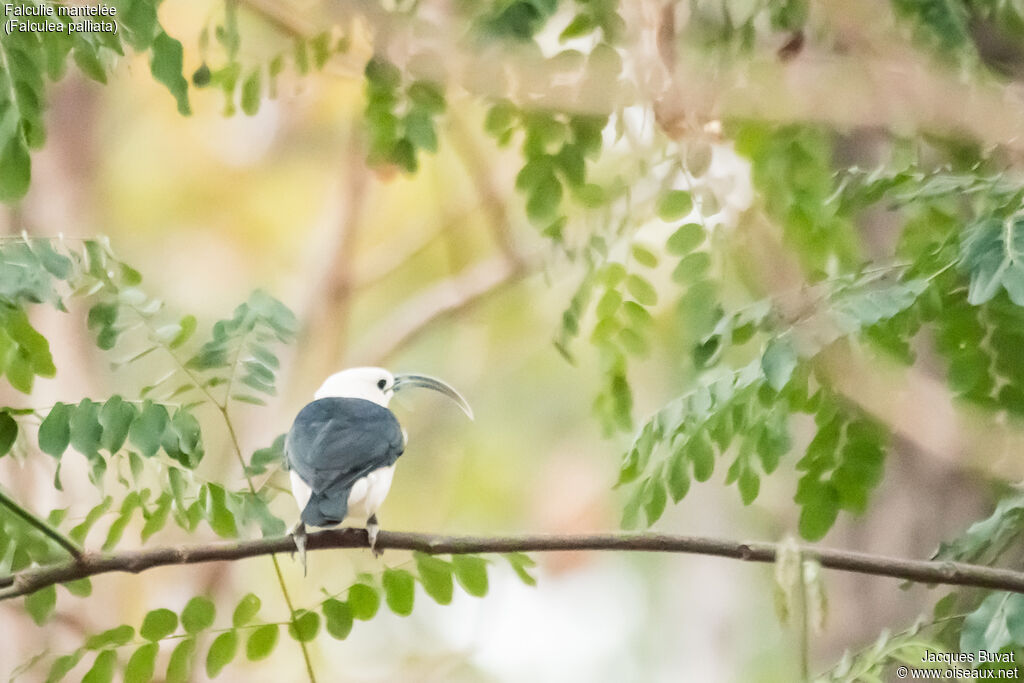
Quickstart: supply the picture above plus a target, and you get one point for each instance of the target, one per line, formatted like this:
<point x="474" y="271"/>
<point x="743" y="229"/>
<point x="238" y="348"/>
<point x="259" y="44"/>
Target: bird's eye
<point x="381" y="384"/>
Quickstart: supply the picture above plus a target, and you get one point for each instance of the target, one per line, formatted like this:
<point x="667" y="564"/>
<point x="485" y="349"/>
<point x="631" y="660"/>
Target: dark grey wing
<point x="333" y="443"/>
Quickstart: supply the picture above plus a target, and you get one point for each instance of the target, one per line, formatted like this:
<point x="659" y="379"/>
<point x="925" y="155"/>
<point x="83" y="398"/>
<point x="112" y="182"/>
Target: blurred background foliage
<point x="654" y="243"/>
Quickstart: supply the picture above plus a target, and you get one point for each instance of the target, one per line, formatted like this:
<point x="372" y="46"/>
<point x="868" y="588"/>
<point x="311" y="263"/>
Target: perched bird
<point x="341" y="449"/>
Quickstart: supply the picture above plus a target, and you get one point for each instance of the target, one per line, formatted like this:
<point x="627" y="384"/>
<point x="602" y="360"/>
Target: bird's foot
<point x="372" y="529"/>
<point x="298" y="534"/>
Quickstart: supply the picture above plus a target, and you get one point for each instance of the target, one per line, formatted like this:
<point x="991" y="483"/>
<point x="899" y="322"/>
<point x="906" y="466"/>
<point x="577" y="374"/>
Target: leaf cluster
<point x="401" y="119"/>
<point x="29" y="58"/>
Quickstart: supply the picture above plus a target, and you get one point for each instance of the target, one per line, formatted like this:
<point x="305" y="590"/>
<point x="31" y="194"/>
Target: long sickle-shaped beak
<point x="409" y="380"/>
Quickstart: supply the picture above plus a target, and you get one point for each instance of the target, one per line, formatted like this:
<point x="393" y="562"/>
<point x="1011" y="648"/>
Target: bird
<point x="342" y="448"/>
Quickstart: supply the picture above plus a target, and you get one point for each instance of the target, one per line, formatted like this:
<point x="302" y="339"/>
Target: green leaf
<point x="114" y="637"/>
<point x="581" y="25"/>
<point x="182" y="439"/>
<point x="993" y="254"/>
<point x="608" y="304"/>
<point x="198" y="615"/>
<point x="702" y="455"/>
<point x="994" y="624"/>
<point x="591" y="195"/>
<point x="176" y="481"/>
<point x="81" y="588"/>
<point x="15" y="168"/>
<point x="129" y="276"/>
<point x="246" y="610"/>
<point x="772" y="444"/>
<point x="339" y="618"/>
<point x="685" y="239"/>
<point x="304" y="626"/>
<point x="201" y="77"/>
<point x="692" y="268"/>
<point x="436" y="576"/>
<point x="8" y="432"/>
<point x="116" y="418"/>
<point x="988" y="535"/>
<point x="63" y="665"/>
<point x="158" y="624"/>
<point x="216" y="510"/>
<point x="187" y="326"/>
<point x="261" y="642"/>
<point x="166" y="67"/>
<point x="264" y="458"/>
<point x="537" y="171"/>
<point x="40" y="604"/>
<point x="363" y="601"/>
<point x="778" y="362"/>
<point x="674" y="205"/>
<point x="142" y="664"/>
<point x="644" y="256"/>
<point x="55" y="263"/>
<point x="222" y="651"/>
<point x="157" y="519"/>
<point x="820" y="509"/>
<point x="419" y="129"/>
<point x="500" y="118"/>
<point x="678" y="478"/>
<point x="251" y="89"/>
<point x="88" y="61"/>
<point x="320" y="47"/>
<point x="544" y="199"/>
<point x="521" y="563"/>
<point x="641" y="290"/>
<point x="179" y="668"/>
<point x="383" y="74"/>
<point x="861" y="469"/>
<point x="945" y="24"/>
<point x="245" y="398"/>
<point x="147" y="431"/>
<point x="55" y="431"/>
<point x="471" y="572"/>
<point x="428" y="96"/>
<point x="131" y="502"/>
<point x="103" y="668"/>
<point x="749" y="484"/>
<point x="85" y="427"/>
<point x="654" y="505"/>
<point x="79" y="532"/>
<point x="399" y="590"/>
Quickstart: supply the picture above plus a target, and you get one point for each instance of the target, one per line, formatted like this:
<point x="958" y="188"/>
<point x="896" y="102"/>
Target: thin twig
<point x="440" y="301"/>
<point x="391" y="259"/>
<point x="481" y="174"/>
<point x="285" y="21"/>
<point x="40" y="524"/>
<point x="919" y="571"/>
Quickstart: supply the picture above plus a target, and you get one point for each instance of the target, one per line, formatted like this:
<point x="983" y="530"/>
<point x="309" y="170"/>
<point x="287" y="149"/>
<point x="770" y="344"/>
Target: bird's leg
<point x="372" y="529"/>
<point x="298" y="534"/>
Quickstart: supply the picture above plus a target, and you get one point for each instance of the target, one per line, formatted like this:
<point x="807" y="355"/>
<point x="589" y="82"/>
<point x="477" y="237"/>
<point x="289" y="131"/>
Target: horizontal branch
<point x="920" y="571"/>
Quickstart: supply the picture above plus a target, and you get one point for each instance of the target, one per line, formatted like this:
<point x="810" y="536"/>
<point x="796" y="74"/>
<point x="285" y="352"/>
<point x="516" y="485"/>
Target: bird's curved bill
<point x="408" y="380"/>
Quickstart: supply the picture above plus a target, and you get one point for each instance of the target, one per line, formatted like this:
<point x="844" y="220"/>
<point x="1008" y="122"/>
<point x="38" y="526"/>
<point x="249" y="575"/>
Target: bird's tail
<point x="326" y="509"/>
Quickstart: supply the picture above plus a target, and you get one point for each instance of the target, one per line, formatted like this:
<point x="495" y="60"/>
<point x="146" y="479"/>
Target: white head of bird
<point x="379" y="386"/>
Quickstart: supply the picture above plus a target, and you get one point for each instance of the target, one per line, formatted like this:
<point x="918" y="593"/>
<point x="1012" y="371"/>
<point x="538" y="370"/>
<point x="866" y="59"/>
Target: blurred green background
<point x="440" y="273"/>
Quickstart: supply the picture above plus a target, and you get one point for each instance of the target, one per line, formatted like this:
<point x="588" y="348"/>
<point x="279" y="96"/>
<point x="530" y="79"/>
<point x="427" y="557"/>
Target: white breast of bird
<point x="368" y="493"/>
<point x="365" y="498"/>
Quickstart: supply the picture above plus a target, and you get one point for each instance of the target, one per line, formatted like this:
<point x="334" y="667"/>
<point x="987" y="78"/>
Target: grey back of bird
<point x="335" y="442"/>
